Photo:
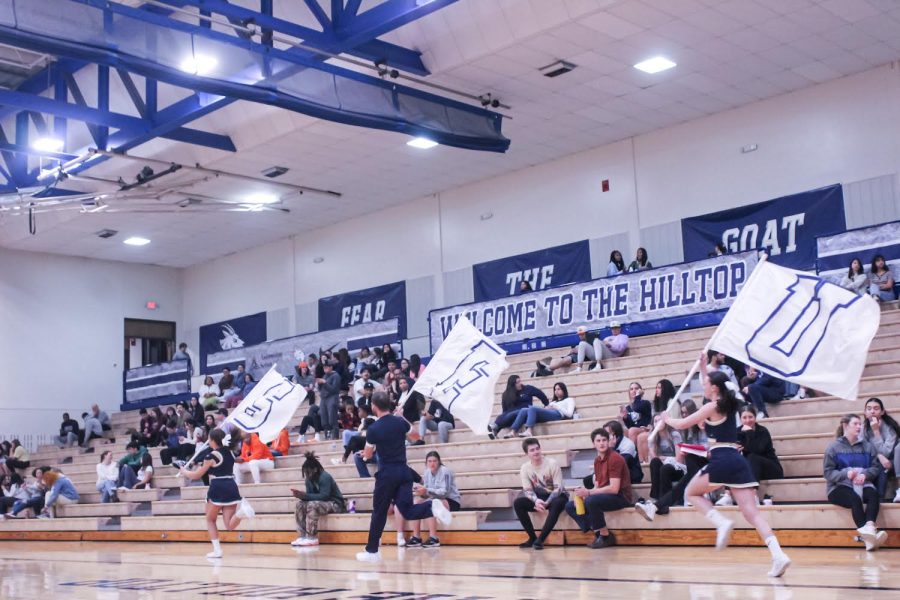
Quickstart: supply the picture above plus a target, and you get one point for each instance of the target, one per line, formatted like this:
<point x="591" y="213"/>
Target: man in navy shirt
<point x="393" y="481"/>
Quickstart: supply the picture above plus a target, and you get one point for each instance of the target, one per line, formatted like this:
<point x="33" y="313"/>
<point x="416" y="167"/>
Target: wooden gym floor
<point x="146" y="570"/>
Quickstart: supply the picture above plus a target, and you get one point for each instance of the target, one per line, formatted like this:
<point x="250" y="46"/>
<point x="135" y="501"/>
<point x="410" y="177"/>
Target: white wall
<point x="62" y="332"/>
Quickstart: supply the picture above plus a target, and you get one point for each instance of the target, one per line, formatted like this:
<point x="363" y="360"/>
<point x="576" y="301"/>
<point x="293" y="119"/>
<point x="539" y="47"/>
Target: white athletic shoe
<point x="646" y="510"/>
<point x="245" y="511"/>
<point x="880" y="539"/>
<point x="368" y="556"/>
<point x="779" y="566"/>
<point x="723" y="534"/>
<point x="440" y="512"/>
<point x="897" y="496"/>
<point x="401" y="541"/>
<point x="318" y="437"/>
<point x="869" y="537"/>
<point x="310" y="542"/>
<point x="214" y="554"/>
<point x="726" y="500"/>
<point x="299" y="541"/>
<point x="597" y="367"/>
<point x="576" y="370"/>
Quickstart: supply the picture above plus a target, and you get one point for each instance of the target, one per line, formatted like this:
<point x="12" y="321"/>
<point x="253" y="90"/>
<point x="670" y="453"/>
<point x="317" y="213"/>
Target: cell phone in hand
<point x="298" y="494"/>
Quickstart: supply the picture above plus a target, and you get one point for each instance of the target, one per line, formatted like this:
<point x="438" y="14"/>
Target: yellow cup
<point x="579" y="505"/>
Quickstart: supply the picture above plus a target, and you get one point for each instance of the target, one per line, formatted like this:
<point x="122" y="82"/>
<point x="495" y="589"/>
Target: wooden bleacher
<point x="487" y="471"/>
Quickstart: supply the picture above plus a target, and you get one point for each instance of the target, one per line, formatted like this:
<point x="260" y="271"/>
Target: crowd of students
<point x="878" y="282"/>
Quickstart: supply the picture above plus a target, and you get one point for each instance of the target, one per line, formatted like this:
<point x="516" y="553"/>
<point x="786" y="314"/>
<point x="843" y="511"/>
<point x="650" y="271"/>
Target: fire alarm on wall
<point x="152" y="305"/>
<point x="604" y="185"/>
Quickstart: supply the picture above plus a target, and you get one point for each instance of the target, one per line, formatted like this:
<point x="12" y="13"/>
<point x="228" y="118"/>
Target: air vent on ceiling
<point x="106" y="233"/>
<point x="273" y="172"/>
<point x="556" y="69"/>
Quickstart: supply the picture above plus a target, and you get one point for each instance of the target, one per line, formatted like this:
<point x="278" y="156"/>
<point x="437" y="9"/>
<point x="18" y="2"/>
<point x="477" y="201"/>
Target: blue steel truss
<point x="344" y="31"/>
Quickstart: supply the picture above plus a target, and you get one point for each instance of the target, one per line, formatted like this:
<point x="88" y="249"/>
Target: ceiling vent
<point x="273" y="172"/>
<point x="556" y="69"/>
<point x="106" y="233"/>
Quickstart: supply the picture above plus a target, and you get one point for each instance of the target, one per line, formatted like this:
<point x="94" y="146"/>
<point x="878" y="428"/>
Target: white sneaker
<point x="646" y="510"/>
<point x="525" y="433"/>
<point x="897" y="496"/>
<point x="779" y="565"/>
<point x="726" y="500"/>
<point x="301" y="439"/>
<point x="880" y="539"/>
<point x="576" y="370"/>
<point x="336" y="461"/>
<point x="597" y="367"/>
<point x="869" y="537"/>
<point x="723" y="534"/>
<point x="299" y="541"/>
<point x="310" y="542"/>
<point x="368" y="556"/>
<point x="401" y="541"/>
<point x="440" y="512"/>
<point x="760" y="417"/>
<point x="318" y="437"/>
<point x="214" y="554"/>
<point x="245" y="511"/>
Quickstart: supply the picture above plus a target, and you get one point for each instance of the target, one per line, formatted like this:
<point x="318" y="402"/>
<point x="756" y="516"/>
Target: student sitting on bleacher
<point x="436" y="418"/>
<point x="356" y="442"/>
<point x="322" y="496"/>
<point x="142" y="479"/>
<point x="61" y="492"/>
<point x="756" y="445"/>
<point x="101" y="416"/>
<point x="438" y="482"/>
<point x="592" y="348"/>
<point x="209" y="393"/>
<point x="18" y="457"/>
<point x="881" y="281"/>
<point x="12" y="489"/>
<point x="637" y="416"/>
<point x="662" y="444"/>
<point x="665" y="391"/>
<point x="182" y="443"/>
<point x="515" y="397"/>
<point x="348" y="420"/>
<point x="312" y="419"/>
<point x="129" y="465"/>
<point x="856" y="279"/>
<point x="619" y="442"/>
<point x="281" y="445"/>
<point x="5" y="452"/>
<point x="851" y="471"/>
<point x="195" y="411"/>
<point x="765" y="389"/>
<point x="68" y="432"/>
<point x="92" y="429"/>
<point x="107" y="478"/>
<point x="255" y="457"/>
<point x="611" y="490"/>
<point x="542" y="491"/>
<point x="561" y="407"/>
<point x="883" y="432"/>
<point x="35" y="494"/>
<point x="717" y="363"/>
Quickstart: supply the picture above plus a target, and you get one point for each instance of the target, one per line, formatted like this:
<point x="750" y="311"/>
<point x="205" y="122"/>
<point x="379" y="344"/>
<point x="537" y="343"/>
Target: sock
<point x="716" y="518"/>
<point x="774" y="546"/>
<point x="216" y="545"/>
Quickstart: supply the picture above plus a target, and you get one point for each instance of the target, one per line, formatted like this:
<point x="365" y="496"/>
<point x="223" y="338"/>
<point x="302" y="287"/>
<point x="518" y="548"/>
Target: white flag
<point x="269" y="406"/>
<point x="462" y="373"/>
<point x="798" y="327"/>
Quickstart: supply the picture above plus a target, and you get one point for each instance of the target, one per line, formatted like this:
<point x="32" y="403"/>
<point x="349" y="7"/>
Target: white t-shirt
<point x="206" y="390"/>
<point x="108" y="472"/>
<point x="145" y="471"/>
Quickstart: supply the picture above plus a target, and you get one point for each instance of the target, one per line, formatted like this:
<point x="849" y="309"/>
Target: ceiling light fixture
<point x="262" y="198"/>
<point x="655" y="65"/>
<point x="423" y="143"/>
<point x="199" y="64"/>
<point x="556" y="69"/>
<point x="136" y="241"/>
<point x="48" y="144"/>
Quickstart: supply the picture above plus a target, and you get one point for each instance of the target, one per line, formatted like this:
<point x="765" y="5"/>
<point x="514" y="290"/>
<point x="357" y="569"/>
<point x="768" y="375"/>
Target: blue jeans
<point x="106" y="488"/>
<point x="534" y="414"/>
<point x="595" y="505"/>
<point x="127" y="477"/>
<point x="361" y="467"/>
<point x="504" y="420"/>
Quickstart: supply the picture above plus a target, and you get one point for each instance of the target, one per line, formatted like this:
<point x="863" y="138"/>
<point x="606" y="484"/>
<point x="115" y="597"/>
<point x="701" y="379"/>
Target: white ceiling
<point x="729" y="53"/>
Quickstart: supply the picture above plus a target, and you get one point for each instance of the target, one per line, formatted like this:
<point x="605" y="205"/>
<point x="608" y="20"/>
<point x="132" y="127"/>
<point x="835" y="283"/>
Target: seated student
<point x="281" y="445"/>
<point x="12" y="489"/>
<point x="255" y="457"/>
<point x="561" y="407"/>
<point x="515" y="397"/>
<point x="101" y="416"/>
<point x="636" y="415"/>
<point x="35" y="494"/>
<point x="756" y="445"/>
<point x="624" y="446"/>
<point x="881" y="281"/>
<point x="181" y="444"/>
<point x="640" y="262"/>
<point x="140" y="480"/>
<point x="61" y="491"/>
<point x="195" y="411"/>
<point x="366" y="398"/>
<point x="591" y="347"/>
<point x="312" y="419"/>
<point x="436" y="418"/>
<point x="209" y="393"/>
<point x="616" y="264"/>
<point x="304" y="377"/>
<point x="611" y="491"/>
<point x="322" y="496"/>
<point x="226" y="384"/>
<point x="129" y="465"/>
<point x="348" y="420"/>
<point x="360" y="384"/>
<point x="883" y="432"/>
<point x="438" y="482"/>
<point x="717" y="363"/>
<point x="662" y="445"/>
<point x="107" y="478"/>
<point x="542" y="491"/>
<point x="92" y="429"/>
<point x="68" y="432"/>
<point x="665" y="391"/>
<point x="358" y="441"/>
<point x="851" y="471"/>
<point x="856" y="279"/>
<point x="766" y="389"/>
<point x="18" y="457"/>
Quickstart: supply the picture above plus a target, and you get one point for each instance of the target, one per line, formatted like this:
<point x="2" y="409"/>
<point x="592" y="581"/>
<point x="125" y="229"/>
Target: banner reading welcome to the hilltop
<point x="675" y="291"/>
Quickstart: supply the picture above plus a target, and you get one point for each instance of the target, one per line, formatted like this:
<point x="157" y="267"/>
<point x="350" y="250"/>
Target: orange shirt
<point x="282" y="443"/>
<point x="254" y="449"/>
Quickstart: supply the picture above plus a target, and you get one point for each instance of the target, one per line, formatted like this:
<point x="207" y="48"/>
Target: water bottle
<point x="351" y="508"/>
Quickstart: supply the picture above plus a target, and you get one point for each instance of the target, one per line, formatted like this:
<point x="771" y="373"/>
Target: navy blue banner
<point x="365" y="306"/>
<point x="569" y="263"/>
<point x="231" y="334"/>
<point x="786" y="227"/>
<point x="153" y="385"/>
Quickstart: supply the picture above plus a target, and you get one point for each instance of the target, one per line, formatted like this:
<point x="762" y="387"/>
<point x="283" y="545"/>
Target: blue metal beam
<point x="319" y="14"/>
<point x="385" y="17"/>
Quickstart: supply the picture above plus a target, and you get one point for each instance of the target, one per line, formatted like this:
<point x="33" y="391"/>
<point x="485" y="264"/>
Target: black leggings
<point x="844" y="496"/>
<point x="15" y="463"/>
<point x="307" y="422"/>
<point x="662" y="476"/>
<point x="765" y="468"/>
<point x="676" y="496"/>
<point x="356" y="443"/>
<point x="6" y="503"/>
<point x="524" y="505"/>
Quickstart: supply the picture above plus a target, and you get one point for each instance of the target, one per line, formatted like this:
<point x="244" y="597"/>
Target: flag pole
<point x="674" y="408"/>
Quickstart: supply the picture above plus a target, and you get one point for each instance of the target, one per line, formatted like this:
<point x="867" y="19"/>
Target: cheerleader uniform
<point x="727" y="466"/>
<point x="223" y="490"/>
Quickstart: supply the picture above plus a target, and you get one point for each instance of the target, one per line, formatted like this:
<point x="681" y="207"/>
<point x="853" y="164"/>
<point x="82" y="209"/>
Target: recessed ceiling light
<point x="136" y="241"/>
<point x="655" y="65"/>
<point x="423" y="143"/>
<point x="199" y="64"/>
<point x="262" y="198"/>
<point x="48" y="144"/>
